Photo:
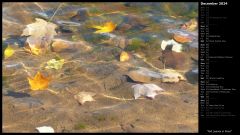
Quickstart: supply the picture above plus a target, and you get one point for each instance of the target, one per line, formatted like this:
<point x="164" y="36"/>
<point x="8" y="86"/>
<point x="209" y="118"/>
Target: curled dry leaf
<point x="8" y="52"/>
<point x="106" y="28"/>
<point x="39" y="82"/>
<point x="83" y="97"/>
<point x="55" y="64"/>
<point x="124" y="56"/>
<point x="148" y="90"/>
<point x="40" y="35"/>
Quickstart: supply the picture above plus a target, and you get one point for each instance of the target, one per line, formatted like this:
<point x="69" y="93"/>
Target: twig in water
<point x="39" y="6"/>
<point x="122" y="99"/>
<point x="55" y="12"/>
<point x="52" y="91"/>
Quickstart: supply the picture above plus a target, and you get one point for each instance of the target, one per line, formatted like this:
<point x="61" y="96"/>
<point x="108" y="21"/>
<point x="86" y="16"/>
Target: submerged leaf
<point x="39" y="82"/>
<point x="83" y="97"/>
<point x="8" y="52"/>
<point x="106" y="28"/>
<point x="40" y="35"/>
<point x="148" y="90"/>
<point x="124" y="56"/>
<point x="55" y="64"/>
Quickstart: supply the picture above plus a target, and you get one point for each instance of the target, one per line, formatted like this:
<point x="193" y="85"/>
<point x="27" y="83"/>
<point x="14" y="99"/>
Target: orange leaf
<point x="39" y="82"/>
<point x="181" y="39"/>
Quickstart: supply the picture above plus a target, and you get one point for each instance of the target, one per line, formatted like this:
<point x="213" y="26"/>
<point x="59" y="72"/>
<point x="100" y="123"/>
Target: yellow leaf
<point x="8" y="52"/>
<point x="32" y="50"/>
<point x="39" y="82"/>
<point x="124" y="56"/>
<point x="107" y="27"/>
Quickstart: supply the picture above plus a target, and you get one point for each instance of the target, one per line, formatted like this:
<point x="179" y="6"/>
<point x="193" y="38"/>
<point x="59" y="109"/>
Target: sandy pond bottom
<point x="175" y="110"/>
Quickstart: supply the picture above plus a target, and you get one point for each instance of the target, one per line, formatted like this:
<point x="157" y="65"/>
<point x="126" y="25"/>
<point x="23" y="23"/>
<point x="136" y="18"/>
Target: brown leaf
<point x="40" y="35"/>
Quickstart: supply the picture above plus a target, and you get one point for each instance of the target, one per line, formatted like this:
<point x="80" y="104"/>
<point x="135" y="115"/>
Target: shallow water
<point x="92" y="64"/>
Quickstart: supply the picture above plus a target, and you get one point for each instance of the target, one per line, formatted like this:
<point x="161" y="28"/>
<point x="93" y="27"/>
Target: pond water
<point x="161" y="38"/>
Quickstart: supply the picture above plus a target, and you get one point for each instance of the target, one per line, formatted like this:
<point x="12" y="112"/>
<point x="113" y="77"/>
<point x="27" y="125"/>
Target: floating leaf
<point x="148" y="90"/>
<point x="39" y="82"/>
<point x="8" y="52"/>
<point x="40" y="35"/>
<point x="55" y="64"/>
<point x="83" y="97"/>
<point x="124" y="56"/>
<point x="45" y="129"/>
<point x="106" y="28"/>
<point x="182" y="39"/>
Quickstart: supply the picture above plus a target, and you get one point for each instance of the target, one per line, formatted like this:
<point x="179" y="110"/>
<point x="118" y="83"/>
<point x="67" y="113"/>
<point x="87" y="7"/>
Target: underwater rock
<point x="148" y="90"/>
<point x="136" y="22"/>
<point x="193" y="35"/>
<point x="146" y="75"/>
<point x="81" y="15"/>
<point x="182" y="39"/>
<point x="175" y="60"/>
<point x="113" y="81"/>
<point x="138" y="77"/>
<point x="60" y="45"/>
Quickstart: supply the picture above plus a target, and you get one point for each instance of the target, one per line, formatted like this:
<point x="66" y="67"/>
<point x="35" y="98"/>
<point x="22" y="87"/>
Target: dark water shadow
<point x="191" y="77"/>
<point x="15" y="39"/>
<point x="128" y="79"/>
<point x="17" y="94"/>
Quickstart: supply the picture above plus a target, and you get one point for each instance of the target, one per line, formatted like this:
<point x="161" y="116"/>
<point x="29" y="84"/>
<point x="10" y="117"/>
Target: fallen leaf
<point x="40" y="35"/>
<point x="8" y="52"/>
<point x="175" y="46"/>
<point x="55" y="64"/>
<point x="39" y="82"/>
<point x="148" y="90"/>
<point x="45" y="129"/>
<point x="106" y="28"/>
<point x="182" y="39"/>
<point x="83" y="97"/>
<point x="124" y="56"/>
